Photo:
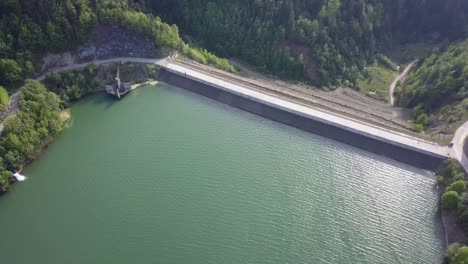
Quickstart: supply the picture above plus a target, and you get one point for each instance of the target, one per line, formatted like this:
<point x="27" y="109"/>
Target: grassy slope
<point x="438" y="86"/>
<point x="378" y="82"/>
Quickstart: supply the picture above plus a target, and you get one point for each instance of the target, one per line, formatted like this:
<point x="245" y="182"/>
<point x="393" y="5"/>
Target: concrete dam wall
<point x="406" y="154"/>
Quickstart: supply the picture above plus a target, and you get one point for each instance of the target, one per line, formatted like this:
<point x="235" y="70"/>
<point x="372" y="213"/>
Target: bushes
<point x="440" y="179"/>
<point x="152" y="71"/>
<point x="460" y="256"/>
<point x="204" y="57"/>
<point x="73" y="85"/>
<point x="418" y="128"/>
<point x="3" y="97"/>
<point x="458" y="186"/>
<point x="450" y="200"/>
<point x="25" y="135"/>
<point x="385" y="61"/>
<point x="10" y="72"/>
<point x="452" y="176"/>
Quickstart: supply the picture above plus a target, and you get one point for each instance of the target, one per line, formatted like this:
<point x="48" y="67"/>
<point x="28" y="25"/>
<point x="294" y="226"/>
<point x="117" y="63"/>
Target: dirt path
<point x="400" y="77"/>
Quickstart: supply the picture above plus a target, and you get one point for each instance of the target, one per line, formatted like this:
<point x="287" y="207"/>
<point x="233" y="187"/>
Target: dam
<point x="398" y="146"/>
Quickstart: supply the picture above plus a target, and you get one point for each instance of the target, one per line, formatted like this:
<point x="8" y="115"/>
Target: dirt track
<point x="401" y="77"/>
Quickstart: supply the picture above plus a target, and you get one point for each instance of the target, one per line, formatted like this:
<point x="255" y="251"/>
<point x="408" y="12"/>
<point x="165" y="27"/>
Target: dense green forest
<point x="342" y="36"/>
<point x="26" y="134"/>
<point x="30" y="28"/>
<point x="438" y="88"/>
<point x="329" y="42"/>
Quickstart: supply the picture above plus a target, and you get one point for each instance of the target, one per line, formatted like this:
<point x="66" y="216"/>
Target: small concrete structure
<point x="118" y="89"/>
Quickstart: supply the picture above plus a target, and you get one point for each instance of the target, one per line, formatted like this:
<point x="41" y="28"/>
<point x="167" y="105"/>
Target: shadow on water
<point x="107" y="101"/>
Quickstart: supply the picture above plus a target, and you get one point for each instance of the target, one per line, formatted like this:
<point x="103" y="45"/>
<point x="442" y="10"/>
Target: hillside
<point x="342" y="36"/>
<point x="437" y="90"/>
<point x="30" y="29"/>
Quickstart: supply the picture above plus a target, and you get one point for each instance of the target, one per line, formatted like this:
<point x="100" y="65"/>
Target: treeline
<point x="452" y="180"/>
<point x="25" y="135"/>
<point x="73" y="85"/>
<point x="438" y="89"/>
<point x="30" y="28"/>
<point x="343" y="36"/>
<point x="161" y="34"/>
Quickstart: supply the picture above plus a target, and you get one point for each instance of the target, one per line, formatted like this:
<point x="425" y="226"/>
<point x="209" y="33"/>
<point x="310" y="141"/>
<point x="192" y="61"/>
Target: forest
<point x="438" y="89"/>
<point x="342" y="36"/>
<point x="31" y="28"/>
<point x="26" y="134"/>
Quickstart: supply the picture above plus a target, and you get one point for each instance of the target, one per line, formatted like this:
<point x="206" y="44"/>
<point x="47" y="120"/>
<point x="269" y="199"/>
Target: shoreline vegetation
<point x="452" y="182"/>
<point x="44" y="108"/>
<point x="27" y="134"/>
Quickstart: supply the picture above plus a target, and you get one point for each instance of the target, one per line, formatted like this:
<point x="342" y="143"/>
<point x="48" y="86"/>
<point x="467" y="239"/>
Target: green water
<point x="166" y="176"/>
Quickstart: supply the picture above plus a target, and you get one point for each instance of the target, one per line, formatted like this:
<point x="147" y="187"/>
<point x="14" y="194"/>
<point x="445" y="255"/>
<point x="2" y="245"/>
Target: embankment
<point x="400" y="152"/>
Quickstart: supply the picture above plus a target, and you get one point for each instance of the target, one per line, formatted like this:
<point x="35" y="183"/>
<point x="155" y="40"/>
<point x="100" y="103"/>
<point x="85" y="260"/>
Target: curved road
<point x="99" y="62"/>
<point x="458" y="143"/>
<point x="455" y="152"/>
<point x="397" y="79"/>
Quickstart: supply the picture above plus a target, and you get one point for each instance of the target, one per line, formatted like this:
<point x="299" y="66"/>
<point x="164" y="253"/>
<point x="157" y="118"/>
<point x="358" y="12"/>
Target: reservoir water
<point x="166" y="176"/>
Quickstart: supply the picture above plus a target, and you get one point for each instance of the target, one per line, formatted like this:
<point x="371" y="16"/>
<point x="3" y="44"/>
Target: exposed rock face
<point x="57" y="60"/>
<point x="112" y="41"/>
<point x="106" y="42"/>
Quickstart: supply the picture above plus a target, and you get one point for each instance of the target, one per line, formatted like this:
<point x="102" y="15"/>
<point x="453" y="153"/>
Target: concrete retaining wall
<point x="396" y="152"/>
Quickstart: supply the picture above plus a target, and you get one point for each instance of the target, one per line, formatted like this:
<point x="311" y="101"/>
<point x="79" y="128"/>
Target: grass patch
<point x="444" y="122"/>
<point x="377" y="81"/>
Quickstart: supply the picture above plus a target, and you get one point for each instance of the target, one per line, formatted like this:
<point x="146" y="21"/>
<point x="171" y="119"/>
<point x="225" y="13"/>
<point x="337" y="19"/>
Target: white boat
<point x="19" y="177"/>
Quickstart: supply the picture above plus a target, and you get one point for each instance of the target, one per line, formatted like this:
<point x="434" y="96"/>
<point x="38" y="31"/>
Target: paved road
<point x="394" y="83"/>
<point x="99" y="62"/>
<point x="458" y="141"/>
